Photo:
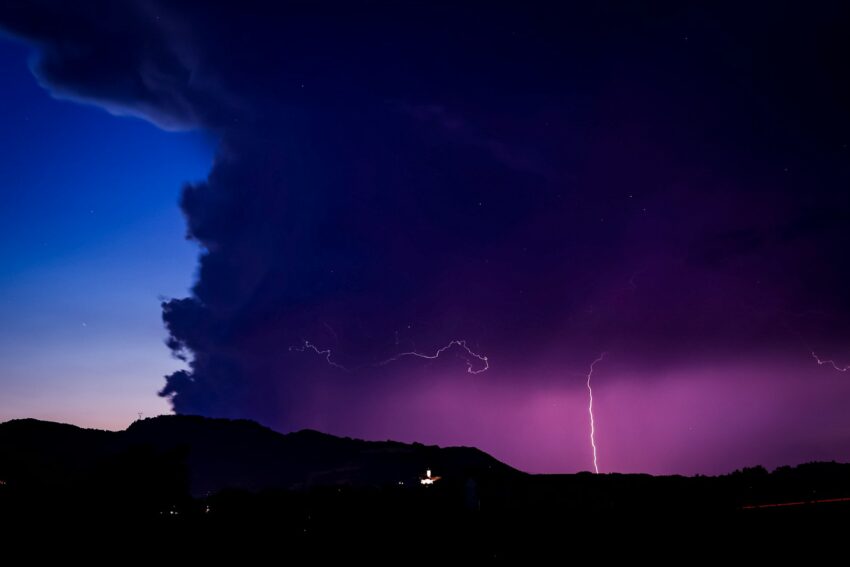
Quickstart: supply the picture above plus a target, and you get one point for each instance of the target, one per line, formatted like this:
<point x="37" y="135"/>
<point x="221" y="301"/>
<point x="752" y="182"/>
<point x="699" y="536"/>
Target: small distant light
<point x="428" y="478"/>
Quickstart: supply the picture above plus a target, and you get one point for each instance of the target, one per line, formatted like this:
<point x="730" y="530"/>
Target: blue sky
<point x="90" y="238"/>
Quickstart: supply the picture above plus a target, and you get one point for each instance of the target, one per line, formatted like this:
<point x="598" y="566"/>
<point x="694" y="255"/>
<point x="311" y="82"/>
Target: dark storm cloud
<point x="395" y="175"/>
<point x="120" y="56"/>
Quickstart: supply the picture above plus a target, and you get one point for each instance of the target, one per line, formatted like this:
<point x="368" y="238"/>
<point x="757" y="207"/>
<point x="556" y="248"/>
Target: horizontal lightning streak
<point x="470" y="367"/>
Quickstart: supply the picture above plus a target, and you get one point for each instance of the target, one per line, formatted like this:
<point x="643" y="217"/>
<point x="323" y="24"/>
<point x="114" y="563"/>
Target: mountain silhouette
<point x="239" y="454"/>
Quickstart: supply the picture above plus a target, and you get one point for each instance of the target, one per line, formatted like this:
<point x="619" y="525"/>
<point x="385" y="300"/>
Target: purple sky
<point x="667" y="185"/>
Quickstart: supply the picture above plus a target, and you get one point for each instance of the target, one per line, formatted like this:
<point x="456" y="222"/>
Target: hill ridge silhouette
<point x="239" y="453"/>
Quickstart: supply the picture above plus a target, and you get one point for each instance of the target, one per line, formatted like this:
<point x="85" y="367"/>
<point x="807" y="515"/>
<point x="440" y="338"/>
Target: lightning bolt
<point x="807" y="345"/>
<point x="326" y="354"/>
<point x="470" y="367"/>
<point x="590" y="410"/>
<point x="822" y="362"/>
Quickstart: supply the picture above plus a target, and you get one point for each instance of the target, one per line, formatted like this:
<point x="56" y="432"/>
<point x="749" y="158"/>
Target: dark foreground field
<point x="209" y="487"/>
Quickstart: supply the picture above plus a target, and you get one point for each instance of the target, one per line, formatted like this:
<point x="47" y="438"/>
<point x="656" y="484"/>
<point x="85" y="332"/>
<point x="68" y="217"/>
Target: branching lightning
<point x="590" y="410"/>
<point x="326" y="354"/>
<point x="822" y="362"/>
<point x="470" y="366"/>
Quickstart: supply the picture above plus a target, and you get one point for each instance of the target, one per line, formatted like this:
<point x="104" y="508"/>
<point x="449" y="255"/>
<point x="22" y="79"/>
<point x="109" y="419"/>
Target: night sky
<point x="424" y="221"/>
